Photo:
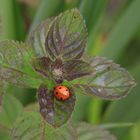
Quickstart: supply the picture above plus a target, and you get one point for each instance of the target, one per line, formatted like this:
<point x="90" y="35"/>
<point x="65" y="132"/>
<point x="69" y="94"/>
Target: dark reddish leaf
<point x="38" y="36"/>
<point x="54" y="111"/>
<point x="108" y="80"/>
<point x="42" y="65"/>
<point x="67" y="36"/>
<point x="75" y="68"/>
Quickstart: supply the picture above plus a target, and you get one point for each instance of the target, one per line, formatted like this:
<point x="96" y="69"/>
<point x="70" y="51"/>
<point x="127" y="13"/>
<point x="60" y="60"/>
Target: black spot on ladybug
<point x="61" y="98"/>
<point x="56" y="92"/>
<point x="59" y="87"/>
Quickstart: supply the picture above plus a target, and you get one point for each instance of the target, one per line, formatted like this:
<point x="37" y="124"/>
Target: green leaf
<point x="67" y="36"/>
<point x="18" y="78"/>
<point x="31" y="126"/>
<point x="75" y="68"/>
<point x="11" y="109"/>
<point x="15" y="67"/>
<point x="108" y="80"/>
<point x="90" y="132"/>
<point x="55" y="112"/>
<point x="15" y="55"/>
<point x="123" y="32"/>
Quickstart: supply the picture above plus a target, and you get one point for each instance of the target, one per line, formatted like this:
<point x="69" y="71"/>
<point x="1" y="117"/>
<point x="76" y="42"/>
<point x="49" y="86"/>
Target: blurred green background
<point x="114" y="32"/>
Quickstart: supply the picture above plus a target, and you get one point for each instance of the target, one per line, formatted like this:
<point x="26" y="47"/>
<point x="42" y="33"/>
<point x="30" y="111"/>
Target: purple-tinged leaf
<point x="108" y="80"/>
<point x="42" y="65"/>
<point x="38" y="36"/>
<point x="55" y="112"/>
<point x="59" y="70"/>
<point x="67" y="36"/>
<point x="75" y="68"/>
<point x="49" y="69"/>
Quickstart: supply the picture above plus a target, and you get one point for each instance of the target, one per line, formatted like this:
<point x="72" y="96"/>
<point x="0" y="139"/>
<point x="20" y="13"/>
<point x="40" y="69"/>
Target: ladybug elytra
<point x="61" y="92"/>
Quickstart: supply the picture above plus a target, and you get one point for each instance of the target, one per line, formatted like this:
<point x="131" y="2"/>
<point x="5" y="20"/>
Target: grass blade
<point x="123" y="32"/>
<point x="46" y="9"/>
<point x="12" y="25"/>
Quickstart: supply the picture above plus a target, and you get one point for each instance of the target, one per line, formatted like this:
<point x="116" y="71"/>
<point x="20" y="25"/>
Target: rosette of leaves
<point x="55" y="55"/>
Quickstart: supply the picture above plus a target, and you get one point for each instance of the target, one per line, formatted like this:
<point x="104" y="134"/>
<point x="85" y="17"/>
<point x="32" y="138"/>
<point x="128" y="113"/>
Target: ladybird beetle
<point x="61" y="92"/>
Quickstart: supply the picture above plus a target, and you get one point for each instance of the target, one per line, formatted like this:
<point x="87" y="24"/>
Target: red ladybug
<point x="61" y="92"/>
